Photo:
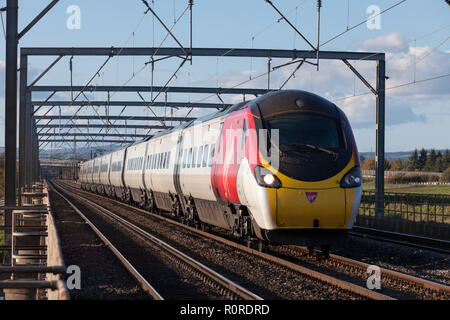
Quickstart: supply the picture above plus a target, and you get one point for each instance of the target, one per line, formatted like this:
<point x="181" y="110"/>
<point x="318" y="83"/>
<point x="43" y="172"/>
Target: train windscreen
<point x="306" y="129"/>
<point x="311" y="146"/>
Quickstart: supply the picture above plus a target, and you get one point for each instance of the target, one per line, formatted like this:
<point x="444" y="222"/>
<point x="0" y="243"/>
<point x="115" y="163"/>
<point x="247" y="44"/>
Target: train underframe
<point x="233" y="217"/>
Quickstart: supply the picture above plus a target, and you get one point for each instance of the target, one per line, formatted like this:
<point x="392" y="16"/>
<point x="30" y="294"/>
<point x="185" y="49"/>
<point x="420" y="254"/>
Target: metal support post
<point x="35" y="163"/>
<point x="22" y="117"/>
<point x="380" y="127"/>
<point x="10" y="113"/>
<point x="28" y="140"/>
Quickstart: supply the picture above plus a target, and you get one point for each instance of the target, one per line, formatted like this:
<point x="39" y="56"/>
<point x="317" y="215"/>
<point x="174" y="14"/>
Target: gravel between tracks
<point x="266" y="279"/>
<point x="420" y="263"/>
<point x="158" y="267"/>
<point x="102" y="275"/>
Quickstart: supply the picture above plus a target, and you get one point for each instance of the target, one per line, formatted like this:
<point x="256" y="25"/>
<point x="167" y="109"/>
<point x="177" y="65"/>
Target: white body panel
<point x="355" y="209"/>
<point x="82" y="168"/>
<point x="117" y="162"/>
<point x="104" y="169"/>
<point x="134" y="164"/>
<point x="254" y="197"/>
<point x="196" y="180"/>
<point x="159" y="164"/>
<point x="87" y="175"/>
<point x="96" y="171"/>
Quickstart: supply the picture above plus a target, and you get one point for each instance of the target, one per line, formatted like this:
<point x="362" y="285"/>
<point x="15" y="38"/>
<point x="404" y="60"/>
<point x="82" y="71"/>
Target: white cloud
<point x="335" y="80"/>
<point x="389" y="42"/>
<point x="403" y="63"/>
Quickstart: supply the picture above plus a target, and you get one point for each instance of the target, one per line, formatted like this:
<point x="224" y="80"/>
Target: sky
<point x="414" y="35"/>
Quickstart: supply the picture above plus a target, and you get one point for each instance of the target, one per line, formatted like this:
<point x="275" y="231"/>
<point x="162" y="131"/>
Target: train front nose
<point x="311" y="208"/>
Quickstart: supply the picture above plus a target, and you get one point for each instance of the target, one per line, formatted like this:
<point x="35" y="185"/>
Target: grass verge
<point x="407" y="188"/>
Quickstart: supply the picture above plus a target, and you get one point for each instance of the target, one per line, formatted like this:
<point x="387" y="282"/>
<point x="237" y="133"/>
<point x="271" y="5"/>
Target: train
<point x="282" y="168"/>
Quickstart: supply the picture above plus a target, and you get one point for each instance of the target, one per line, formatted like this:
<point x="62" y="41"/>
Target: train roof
<point x="268" y="103"/>
<point x="205" y="118"/>
<point x="271" y="104"/>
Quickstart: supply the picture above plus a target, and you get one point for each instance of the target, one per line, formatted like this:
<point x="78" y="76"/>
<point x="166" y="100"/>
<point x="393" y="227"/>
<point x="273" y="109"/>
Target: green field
<point x="425" y="203"/>
<point x="406" y="188"/>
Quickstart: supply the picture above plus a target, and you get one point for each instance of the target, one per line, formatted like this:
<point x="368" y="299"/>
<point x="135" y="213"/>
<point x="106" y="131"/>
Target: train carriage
<point x="89" y="165"/>
<point x="282" y="168"/>
<point x="116" y="174"/>
<point x="158" y="174"/>
<point x="95" y="186"/>
<point x="133" y="171"/>
<point x="104" y="182"/>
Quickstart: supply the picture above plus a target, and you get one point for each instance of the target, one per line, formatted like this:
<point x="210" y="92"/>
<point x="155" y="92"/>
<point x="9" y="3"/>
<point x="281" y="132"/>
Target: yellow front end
<point x="309" y="205"/>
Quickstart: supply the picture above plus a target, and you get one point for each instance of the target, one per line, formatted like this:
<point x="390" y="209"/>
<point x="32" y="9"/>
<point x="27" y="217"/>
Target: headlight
<point x="352" y="179"/>
<point x="265" y="178"/>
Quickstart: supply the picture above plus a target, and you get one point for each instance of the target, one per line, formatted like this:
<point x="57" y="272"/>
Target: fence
<point x="393" y="173"/>
<point x="34" y="268"/>
<point x="409" y="206"/>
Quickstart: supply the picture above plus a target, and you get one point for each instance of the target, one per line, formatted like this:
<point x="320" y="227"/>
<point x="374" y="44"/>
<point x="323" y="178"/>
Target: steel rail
<point x="432" y="244"/>
<point x="409" y="280"/>
<point x="216" y="277"/>
<point x="265" y="256"/>
<point x="147" y="287"/>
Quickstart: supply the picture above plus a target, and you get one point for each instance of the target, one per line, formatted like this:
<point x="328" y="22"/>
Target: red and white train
<point x="282" y="168"/>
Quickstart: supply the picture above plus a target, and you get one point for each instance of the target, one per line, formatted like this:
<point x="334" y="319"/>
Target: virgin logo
<point x="311" y="196"/>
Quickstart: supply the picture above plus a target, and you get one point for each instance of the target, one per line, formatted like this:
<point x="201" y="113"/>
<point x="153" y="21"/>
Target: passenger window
<point x="165" y="160"/>
<point x="211" y="156"/>
<point x="199" y="159"/>
<point x="184" y="157"/>
<point x="189" y="158"/>
<point x="205" y="156"/>
<point x="168" y="160"/>
<point x="194" y="157"/>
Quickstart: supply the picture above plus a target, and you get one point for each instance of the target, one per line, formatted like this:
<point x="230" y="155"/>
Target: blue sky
<point x="417" y="115"/>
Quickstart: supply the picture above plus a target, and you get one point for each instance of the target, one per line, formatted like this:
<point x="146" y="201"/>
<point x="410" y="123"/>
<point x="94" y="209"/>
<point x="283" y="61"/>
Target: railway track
<point x="225" y="287"/>
<point x="389" y="278"/>
<point x="147" y="287"/>
<point x="395" y="281"/>
<point x="343" y="285"/>
<point x="436" y="245"/>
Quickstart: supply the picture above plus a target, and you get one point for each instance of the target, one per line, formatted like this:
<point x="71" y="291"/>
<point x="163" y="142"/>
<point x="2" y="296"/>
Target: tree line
<point x="423" y="160"/>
